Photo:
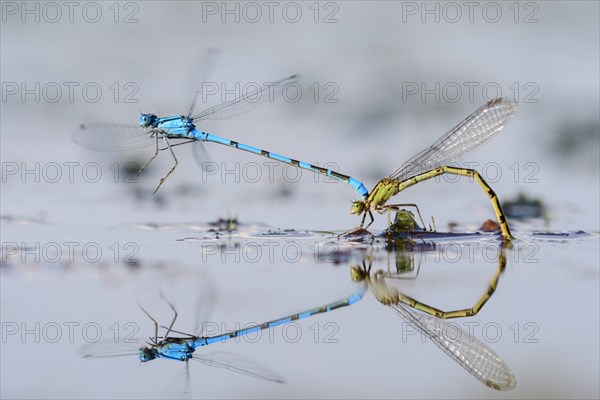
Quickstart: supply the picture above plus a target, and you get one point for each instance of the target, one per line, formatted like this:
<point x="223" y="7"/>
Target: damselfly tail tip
<point x="509" y="385"/>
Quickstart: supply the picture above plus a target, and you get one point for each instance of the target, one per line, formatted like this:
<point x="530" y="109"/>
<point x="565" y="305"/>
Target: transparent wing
<point x="207" y="65"/>
<point x="248" y="100"/>
<point x="479" y="127"/>
<point x="474" y="356"/>
<point x="201" y="156"/>
<point x="111" y="137"/>
<point x="237" y="363"/>
<point x="110" y="348"/>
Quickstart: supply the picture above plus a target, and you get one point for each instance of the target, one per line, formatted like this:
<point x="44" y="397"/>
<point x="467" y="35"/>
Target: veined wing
<point x="474" y="356"/>
<point x="248" y="100"/>
<point x="207" y="64"/>
<point x="479" y="127"/>
<point x="237" y="363"/>
<point x="110" y="348"/>
<point x="112" y="137"/>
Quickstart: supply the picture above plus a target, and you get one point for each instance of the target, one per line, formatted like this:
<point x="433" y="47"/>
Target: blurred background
<point x="380" y="81"/>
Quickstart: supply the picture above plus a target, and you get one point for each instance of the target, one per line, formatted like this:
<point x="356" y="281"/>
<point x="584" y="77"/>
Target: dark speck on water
<point x="524" y="207"/>
<point x="576" y="234"/>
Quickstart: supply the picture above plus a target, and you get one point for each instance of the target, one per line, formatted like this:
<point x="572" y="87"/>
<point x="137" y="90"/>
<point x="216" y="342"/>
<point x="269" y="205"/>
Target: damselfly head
<point x="147" y="354"/>
<point x="357" y="207"/>
<point x="147" y="120"/>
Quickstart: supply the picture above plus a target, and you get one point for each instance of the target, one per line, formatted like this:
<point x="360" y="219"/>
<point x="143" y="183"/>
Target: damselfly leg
<point x="397" y="207"/>
<point x="155" y="135"/>
<point x="155" y="340"/>
<point x="162" y="180"/>
<point x="174" y="316"/>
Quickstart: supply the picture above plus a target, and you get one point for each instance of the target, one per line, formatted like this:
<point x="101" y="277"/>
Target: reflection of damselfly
<point x="184" y="348"/>
<point x="473" y="355"/>
<point x="479" y="127"/>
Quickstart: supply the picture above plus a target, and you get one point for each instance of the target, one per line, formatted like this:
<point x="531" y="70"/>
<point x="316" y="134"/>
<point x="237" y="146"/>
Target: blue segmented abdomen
<point x="354" y="183"/>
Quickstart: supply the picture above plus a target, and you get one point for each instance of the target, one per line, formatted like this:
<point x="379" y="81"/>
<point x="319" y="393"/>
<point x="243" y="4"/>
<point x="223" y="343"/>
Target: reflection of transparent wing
<point x="109" y="137"/>
<point x="248" y="100"/>
<point x="207" y="64"/>
<point x="179" y="385"/>
<point x="481" y="361"/>
<point x="111" y="348"/>
<point x="204" y="304"/>
<point x="236" y="363"/>
<point x="479" y="127"/>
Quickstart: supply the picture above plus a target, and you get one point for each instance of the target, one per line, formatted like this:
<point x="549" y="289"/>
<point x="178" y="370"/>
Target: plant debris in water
<point x="524" y="207"/>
